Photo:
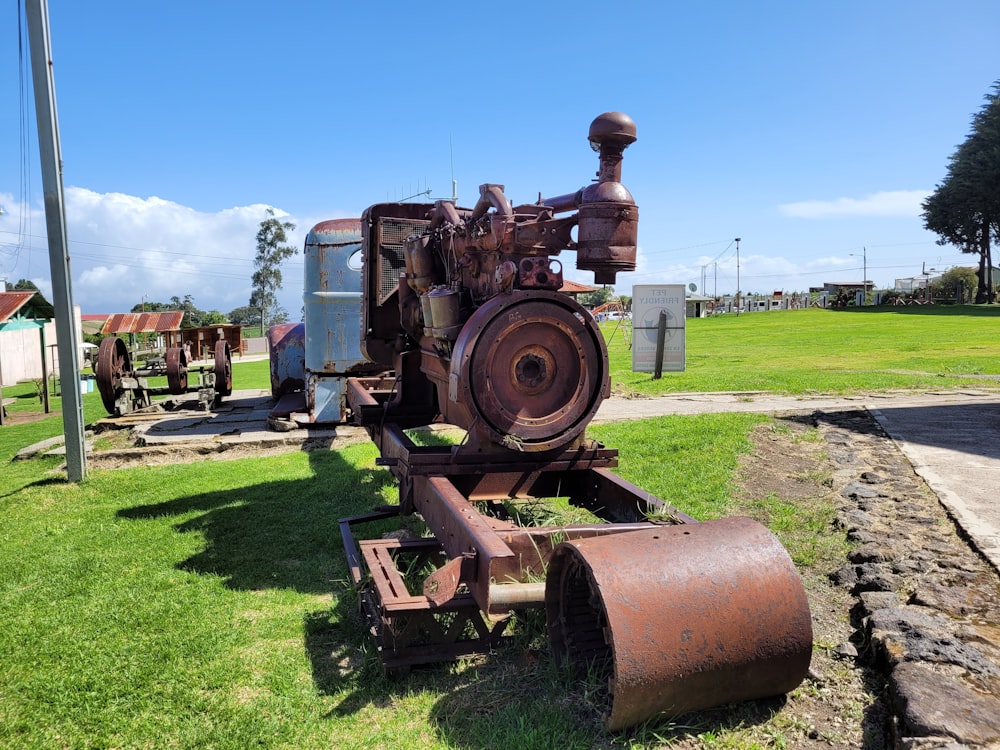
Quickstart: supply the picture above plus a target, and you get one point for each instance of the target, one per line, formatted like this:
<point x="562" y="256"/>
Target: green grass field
<point x="207" y="606"/>
<point x="829" y="351"/>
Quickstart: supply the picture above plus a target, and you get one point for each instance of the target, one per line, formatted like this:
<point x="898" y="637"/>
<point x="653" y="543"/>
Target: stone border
<point x="928" y="604"/>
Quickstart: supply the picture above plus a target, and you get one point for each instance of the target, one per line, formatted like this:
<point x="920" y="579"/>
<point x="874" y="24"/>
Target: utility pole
<point x="739" y="304"/>
<point x="37" y="12"/>
<point x="864" y="274"/>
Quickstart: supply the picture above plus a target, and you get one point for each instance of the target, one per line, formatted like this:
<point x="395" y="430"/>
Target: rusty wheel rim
<point x="113" y="364"/>
<point x="223" y="369"/>
<point x="177" y="375"/>
<point x="537" y="372"/>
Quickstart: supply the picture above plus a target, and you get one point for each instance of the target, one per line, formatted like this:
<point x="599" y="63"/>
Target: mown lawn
<point x="206" y="605"/>
<point x="828" y="351"/>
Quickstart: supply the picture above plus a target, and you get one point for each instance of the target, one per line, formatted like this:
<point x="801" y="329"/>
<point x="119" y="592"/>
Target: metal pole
<point x="661" y="340"/>
<point x="55" y="223"/>
<point x="738" y="302"/>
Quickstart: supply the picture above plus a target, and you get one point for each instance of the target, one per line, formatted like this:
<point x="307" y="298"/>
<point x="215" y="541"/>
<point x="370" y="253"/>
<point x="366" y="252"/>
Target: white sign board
<point x="648" y="300"/>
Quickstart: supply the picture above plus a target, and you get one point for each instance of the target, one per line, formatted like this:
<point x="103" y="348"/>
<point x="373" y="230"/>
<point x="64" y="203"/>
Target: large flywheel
<point x="113" y="364"/>
<point x="223" y="370"/>
<point x="531" y="368"/>
<point x="177" y="372"/>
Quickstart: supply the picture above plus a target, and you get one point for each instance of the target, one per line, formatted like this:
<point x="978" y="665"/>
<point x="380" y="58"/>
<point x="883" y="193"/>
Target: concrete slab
<point x="241" y="418"/>
<point x="956" y="449"/>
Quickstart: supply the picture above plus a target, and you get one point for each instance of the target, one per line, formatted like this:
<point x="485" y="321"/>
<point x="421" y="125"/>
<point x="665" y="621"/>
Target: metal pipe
<point x="516" y="595"/>
<point x="562" y="203"/>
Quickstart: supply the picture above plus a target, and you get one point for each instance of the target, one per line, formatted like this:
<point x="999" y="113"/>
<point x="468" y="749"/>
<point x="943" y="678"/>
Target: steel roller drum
<point x="680" y="618"/>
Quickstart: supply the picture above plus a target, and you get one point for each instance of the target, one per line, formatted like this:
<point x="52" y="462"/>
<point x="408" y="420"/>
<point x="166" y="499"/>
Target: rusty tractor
<point x="461" y="311"/>
<point x="125" y="388"/>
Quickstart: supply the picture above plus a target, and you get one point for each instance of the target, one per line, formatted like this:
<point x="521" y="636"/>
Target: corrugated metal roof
<point x="571" y="287"/>
<point x="142" y="322"/>
<point x="11" y="302"/>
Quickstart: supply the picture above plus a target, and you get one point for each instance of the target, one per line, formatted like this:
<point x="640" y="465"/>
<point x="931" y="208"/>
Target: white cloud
<point x="125" y="248"/>
<point x="890" y="203"/>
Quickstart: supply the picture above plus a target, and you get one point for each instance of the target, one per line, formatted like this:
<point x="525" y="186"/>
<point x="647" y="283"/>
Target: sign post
<point x="648" y="301"/>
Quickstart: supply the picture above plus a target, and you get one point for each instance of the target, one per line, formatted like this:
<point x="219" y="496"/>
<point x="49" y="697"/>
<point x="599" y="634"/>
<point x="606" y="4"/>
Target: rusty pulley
<point x="530" y="369"/>
<point x="680" y="618"/>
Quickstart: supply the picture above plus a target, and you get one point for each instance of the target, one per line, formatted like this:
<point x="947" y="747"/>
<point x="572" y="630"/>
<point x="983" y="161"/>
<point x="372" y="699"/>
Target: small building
<point x="697" y="305"/>
<point x="574" y="290"/>
<point x="27" y="336"/>
<point x="833" y="288"/>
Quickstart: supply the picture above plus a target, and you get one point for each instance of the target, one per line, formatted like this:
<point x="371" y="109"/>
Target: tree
<point x="214" y="318"/>
<point x="244" y="315"/>
<point x="266" y="279"/>
<point x="954" y="284"/>
<point x="964" y="210"/>
<point x="597" y="297"/>
<point x="193" y="317"/>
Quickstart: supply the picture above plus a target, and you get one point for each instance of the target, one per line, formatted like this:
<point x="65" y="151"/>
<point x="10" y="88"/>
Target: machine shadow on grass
<point x="277" y="534"/>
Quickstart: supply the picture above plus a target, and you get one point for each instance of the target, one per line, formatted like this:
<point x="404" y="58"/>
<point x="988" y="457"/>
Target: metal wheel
<point x="113" y="364"/>
<point x="223" y="371"/>
<point x="177" y="374"/>
<point x="534" y="369"/>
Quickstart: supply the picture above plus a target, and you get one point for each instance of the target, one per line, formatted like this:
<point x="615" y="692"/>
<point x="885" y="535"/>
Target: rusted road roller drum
<point x="680" y="618"/>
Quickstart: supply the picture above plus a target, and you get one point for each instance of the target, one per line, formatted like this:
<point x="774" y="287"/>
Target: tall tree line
<point x="964" y="210"/>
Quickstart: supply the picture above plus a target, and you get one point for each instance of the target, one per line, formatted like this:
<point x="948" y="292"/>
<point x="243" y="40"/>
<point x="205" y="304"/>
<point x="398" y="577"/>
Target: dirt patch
<point x="118" y="450"/>
<point x="26" y="417"/>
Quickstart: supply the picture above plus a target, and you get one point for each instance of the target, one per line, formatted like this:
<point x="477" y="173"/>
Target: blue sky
<point x="809" y="130"/>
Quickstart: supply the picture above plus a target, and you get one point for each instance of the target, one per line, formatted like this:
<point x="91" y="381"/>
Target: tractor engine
<point x="464" y="304"/>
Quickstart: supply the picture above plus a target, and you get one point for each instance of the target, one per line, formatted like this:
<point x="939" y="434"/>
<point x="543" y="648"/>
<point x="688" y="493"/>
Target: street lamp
<point x="864" y="273"/>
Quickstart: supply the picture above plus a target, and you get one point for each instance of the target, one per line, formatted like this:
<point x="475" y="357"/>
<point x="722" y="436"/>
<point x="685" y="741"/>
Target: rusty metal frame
<point x="487" y="565"/>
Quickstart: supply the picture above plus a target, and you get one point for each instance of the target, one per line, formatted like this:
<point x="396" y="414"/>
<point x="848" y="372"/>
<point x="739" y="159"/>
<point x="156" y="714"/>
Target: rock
<point x="846" y="576"/>
<point x="870" y="477"/>
<point x="908" y="634"/>
<point x="872" y="552"/>
<point x="856" y="490"/>
<point x="873" y="600"/>
<point x="955" y="600"/>
<point x="857" y="519"/>
<point x="874" y="577"/>
<point x="846" y="650"/>
<point x="929" y="705"/>
<point x="930" y="743"/>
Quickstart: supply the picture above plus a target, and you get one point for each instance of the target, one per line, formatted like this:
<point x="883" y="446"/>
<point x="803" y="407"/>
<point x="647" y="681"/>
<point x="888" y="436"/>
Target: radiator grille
<point x="391" y="235"/>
